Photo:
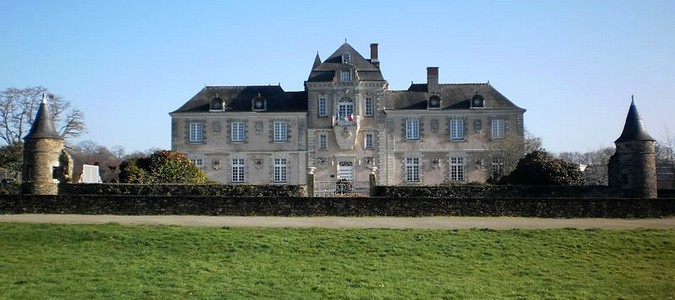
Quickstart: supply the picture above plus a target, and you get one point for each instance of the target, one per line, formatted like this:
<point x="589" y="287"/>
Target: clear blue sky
<point x="126" y="64"/>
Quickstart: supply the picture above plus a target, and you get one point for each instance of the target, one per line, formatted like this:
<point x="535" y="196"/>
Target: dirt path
<point x="348" y="222"/>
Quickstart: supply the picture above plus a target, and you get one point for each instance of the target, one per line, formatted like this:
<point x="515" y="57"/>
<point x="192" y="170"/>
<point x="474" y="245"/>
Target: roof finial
<point x="44" y="98"/>
<point x="345" y="40"/>
<point x="632" y="99"/>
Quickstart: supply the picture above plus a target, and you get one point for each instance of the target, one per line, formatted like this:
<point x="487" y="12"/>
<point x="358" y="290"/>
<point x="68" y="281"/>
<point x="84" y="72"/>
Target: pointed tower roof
<point x="634" y="129"/>
<point x="317" y="61"/>
<point x="43" y="127"/>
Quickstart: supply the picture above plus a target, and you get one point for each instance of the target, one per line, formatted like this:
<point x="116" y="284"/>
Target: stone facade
<point x="345" y="125"/>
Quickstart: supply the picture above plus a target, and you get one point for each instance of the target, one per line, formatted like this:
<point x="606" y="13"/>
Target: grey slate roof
<point x="238" y="98"/>
<point x="325" y="71"/>
<point x="634" y="129"/>
<point x="453" y="96"/>
<point x="43" y="126"/>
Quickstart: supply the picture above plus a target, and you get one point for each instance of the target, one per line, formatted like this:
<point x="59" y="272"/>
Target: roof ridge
<point x="242" y="86"/>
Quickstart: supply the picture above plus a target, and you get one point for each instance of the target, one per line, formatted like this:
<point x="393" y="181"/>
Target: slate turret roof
<point x="238" y="98"/>
<point x="43" y="126"/>
<point x="325" y="71"/>
<point x="634" y="129"/>
<point x="453" y="96"/>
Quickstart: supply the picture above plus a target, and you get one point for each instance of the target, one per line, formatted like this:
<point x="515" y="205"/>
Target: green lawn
<point x="132" y="262"/>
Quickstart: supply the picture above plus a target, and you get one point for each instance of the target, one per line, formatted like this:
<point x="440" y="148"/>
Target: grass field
<point x="132" y="262"/>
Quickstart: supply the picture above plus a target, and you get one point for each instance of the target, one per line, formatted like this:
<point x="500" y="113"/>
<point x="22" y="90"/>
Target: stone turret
<point x="42" y="155"/>
<point x="632" y="168"/>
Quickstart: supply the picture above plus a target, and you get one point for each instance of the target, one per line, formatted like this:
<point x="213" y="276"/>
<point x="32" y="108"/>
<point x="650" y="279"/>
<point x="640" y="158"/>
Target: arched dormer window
<point x="259" y="103"/>
<point x="217" y="104"/>
<point x="434" y="102"/>
<point x="346" y="58"/>
<point x="477" y="101"/>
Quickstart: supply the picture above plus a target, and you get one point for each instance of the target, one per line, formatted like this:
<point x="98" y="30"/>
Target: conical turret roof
<point x="43" y="127"/>
<point x="634" y="129"/>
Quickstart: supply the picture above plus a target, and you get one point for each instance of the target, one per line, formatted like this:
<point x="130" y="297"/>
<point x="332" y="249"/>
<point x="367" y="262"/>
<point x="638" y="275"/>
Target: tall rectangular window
<point x="238" y="132"/>
<point x="196" y="133"/>
<point x="456" y="129"/>
<point x="198" y="162"/>
<point x="280" y="170"/>
<point x="457" y="169"/>
<point x="280" y="131"/>
<point x="323" y="141"/>
<point x="346" y="76"/>
<point x="368" y="142"/>
<point x="412" y="129"/>
<point x="497" y="165"/>
<point x="412" y="169"/>
<point x="237" y="170"/>
<point x="498" y="129"/>
<point x="323" y="107"/>
<point x="369" y="107"/>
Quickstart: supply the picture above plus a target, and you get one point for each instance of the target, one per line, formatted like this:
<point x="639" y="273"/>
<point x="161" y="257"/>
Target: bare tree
<point x="19" y="106"/>
<point x="502" y="155"/>
<point x="665" y="151"/>
<point x="91" y="153"/>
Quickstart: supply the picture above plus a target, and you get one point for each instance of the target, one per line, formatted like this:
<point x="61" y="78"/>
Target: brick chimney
<point x="432" y="80"/>
<point x="373" y="55"/>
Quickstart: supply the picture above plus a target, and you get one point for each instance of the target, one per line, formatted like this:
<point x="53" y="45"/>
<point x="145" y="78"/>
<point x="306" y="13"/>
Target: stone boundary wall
<point x="217" y="190"/>
<point x="338" y="206"/>
<point x="495" y="191"/>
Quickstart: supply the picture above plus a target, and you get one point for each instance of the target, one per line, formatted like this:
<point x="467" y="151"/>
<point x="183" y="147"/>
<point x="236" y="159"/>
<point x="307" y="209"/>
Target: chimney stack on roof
<point x="432" y="79"/>
<point x="373" y="55"/>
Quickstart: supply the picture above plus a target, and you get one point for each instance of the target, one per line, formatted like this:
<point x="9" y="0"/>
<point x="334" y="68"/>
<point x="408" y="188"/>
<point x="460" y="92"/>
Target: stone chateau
<point x="345" y="125"/>
<point x="346" y="129"/>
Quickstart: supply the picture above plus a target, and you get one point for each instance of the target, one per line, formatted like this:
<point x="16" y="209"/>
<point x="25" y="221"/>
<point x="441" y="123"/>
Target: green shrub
<point x="161" y="167"/>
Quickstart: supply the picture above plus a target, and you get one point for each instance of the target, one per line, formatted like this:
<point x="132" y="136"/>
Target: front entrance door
<point x="345" y="177"/>
<point x="345" y="171"/>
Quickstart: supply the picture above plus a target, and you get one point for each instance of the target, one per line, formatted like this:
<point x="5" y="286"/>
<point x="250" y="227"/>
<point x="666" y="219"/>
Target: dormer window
<point x="346" y="58"/>
<point x="477" y="101"/>
<point x="259" y="103"/>
<point x="217" y="104"/>
<point x="346" y="75"/>
<point x="434" y="102"/>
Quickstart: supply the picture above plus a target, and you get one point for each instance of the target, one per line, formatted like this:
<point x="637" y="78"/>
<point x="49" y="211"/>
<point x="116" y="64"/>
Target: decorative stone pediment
<point x="345" y="136"/>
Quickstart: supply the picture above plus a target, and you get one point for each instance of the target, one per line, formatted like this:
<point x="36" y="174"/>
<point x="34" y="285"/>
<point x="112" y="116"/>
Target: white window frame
<point x="497" y="165"/>
<point x="198" y="162"/>
<point x="345" y="109"/>
<point x="498" y="128"/>
<point x="323" y="141"/>
<point x="323" y="107"/>
<point x="412" y="169"/>
<point x="457" y="169"/>
<point x="346" y="75"/>
<point x="412" y="129"/>
<point x="238" y="170"/>
<point x="196" y="132"/>
<point x="369" y="140"/>
<point x="280" y="170"/>
<point x="280" y="131"/>
<point x="238" y="133"/>
<point x="368" y="109"/>
<point x="456" y="129"/>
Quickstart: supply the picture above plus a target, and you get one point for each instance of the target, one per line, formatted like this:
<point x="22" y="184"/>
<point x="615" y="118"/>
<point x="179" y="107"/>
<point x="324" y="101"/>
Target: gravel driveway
<point x="348" y="222"/>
